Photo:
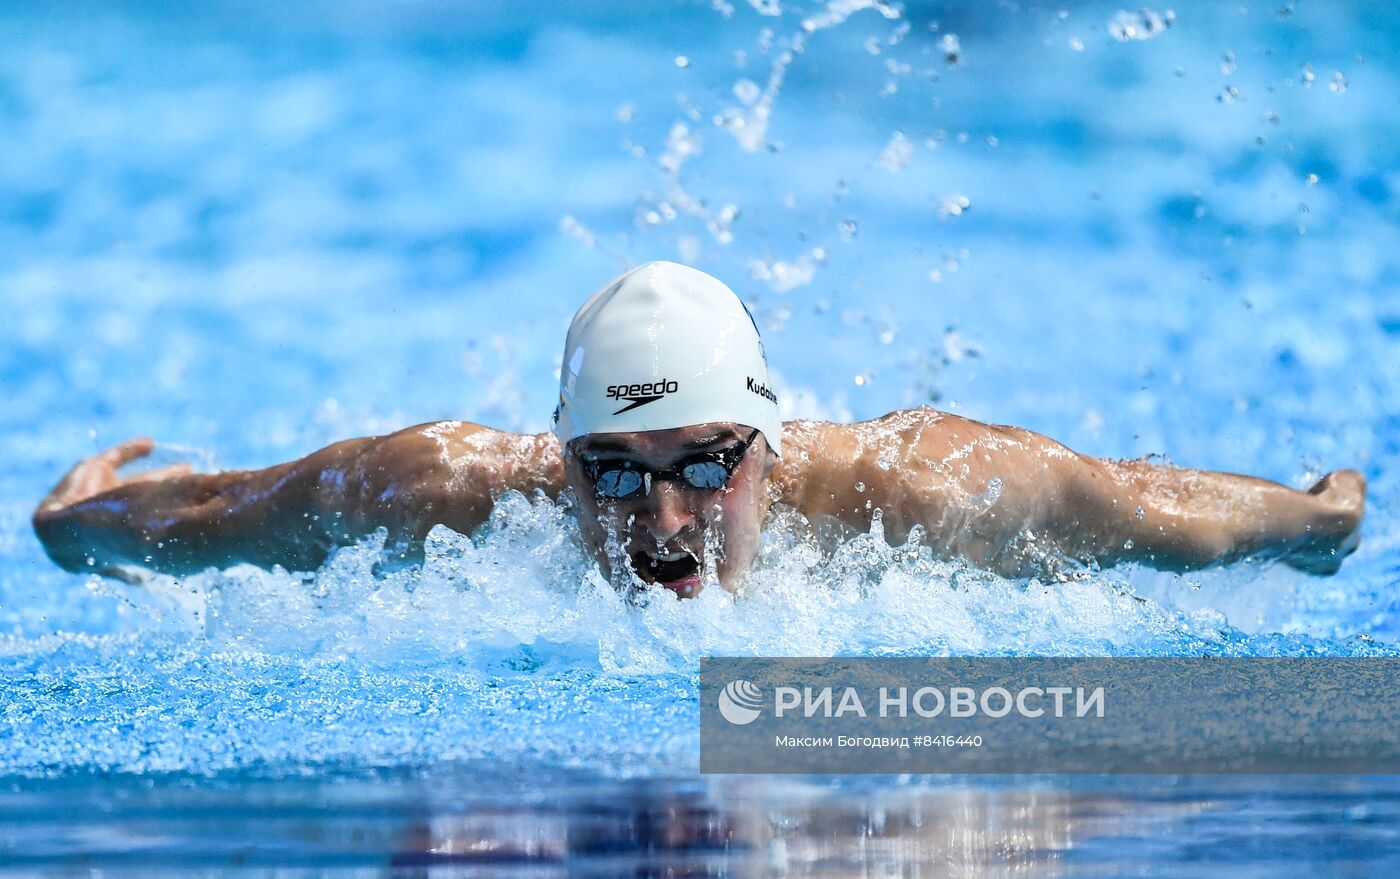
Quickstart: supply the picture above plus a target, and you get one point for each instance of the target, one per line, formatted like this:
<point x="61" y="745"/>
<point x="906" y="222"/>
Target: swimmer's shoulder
<point x="824" y="461"/>
<point x="833" y="443"/>
<point x="844" y="471"/>
<point x="449" y="472"/>
<point x="455" y="458"/>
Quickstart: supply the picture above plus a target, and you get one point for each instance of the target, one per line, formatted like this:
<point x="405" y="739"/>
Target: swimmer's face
<point x="664" y="534"/>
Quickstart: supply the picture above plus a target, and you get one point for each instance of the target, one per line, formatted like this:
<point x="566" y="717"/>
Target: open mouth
<point x="677" y="571"/>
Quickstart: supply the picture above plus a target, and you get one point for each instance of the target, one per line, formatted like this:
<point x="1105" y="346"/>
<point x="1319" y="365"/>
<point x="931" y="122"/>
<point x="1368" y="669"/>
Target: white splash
<point x="526" y="580"/>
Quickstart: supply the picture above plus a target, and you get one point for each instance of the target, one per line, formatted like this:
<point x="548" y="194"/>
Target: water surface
<point x="250" y="230"/>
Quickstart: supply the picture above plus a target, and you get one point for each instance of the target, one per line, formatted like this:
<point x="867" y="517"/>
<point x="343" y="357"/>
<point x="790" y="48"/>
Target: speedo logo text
<point x="642" y="393"/>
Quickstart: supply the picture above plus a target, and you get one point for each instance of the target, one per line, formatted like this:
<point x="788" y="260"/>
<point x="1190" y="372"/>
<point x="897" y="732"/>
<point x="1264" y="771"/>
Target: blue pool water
<point x="249" y="230"/>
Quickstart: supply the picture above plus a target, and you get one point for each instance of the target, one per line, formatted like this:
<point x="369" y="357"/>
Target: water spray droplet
<point x="747" y="90"/>
<point x="952" y="49"/>
<point x="1142" y="25"/>
<point x="896" y="154"/>
<point x="954" y="205"/>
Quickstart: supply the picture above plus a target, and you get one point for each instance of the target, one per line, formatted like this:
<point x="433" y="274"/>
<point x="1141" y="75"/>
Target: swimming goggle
<point x="707" y="471"/>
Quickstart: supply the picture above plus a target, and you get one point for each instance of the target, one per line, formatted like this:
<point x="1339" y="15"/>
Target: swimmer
<point x="668" y="446"/>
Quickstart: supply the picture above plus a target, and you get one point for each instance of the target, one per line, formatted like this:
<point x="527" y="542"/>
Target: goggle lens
<point x="618" y="483"/>
<point x="707" y="475"/>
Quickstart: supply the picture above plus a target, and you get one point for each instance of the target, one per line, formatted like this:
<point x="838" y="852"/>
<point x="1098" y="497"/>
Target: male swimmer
<point x="668" y="440"/>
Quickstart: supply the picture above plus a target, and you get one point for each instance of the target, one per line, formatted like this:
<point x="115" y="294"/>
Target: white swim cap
<point x="664" y="346"/>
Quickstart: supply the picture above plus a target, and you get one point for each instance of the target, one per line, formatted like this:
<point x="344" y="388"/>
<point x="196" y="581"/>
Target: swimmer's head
<point x="669" y="425"/>
<point x="659" y="347"/>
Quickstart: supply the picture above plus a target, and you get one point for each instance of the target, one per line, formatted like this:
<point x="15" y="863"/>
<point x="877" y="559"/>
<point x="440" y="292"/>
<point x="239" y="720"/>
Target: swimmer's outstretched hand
<point x="97" y="474"/>
<point x="81" y="536"/>
<point x="1339" y="501"/>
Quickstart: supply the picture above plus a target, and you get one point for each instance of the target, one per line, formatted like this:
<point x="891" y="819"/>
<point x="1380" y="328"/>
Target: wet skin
<point x="1000" y="497"/>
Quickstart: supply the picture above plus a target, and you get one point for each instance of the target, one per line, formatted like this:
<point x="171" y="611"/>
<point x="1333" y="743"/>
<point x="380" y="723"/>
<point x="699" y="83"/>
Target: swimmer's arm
<point x="1182" y="519"/>
<point x="1107" y="512"/>
<point x="1015" y="502"/>
<point x="294" y="514"/>
<point x="174" y="521"/>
